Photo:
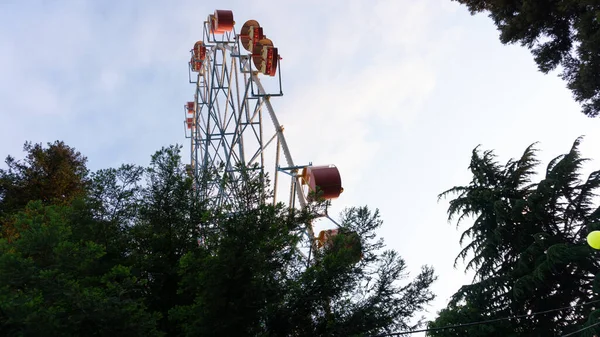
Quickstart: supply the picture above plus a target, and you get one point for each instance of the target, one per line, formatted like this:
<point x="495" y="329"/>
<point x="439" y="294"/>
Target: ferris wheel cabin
<point x="250" y="34"/>
<point x="324" y="182"/>
<point x="221" y="21"/>
<point x="198" y="56"/>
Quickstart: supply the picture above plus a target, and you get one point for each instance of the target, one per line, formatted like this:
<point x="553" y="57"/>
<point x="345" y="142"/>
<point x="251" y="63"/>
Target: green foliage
<point x="251" y="281"/>
<point x="165" y="229"/>
<point x="111" y="210"/>
<point x="238" y="276"/>
<point x="527" y="243"/>
<point x="457" y="314"/>
<point x="563" y="33"/>
<point x="53" y="175"/>
<point x="49" y="285"/>
<point x="132" y="251"/>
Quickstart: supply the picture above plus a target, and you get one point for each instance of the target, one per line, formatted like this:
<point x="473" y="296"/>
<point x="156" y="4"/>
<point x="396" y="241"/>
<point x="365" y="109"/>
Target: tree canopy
<point x="559" y="33"/>
<point x="526" y="246"/>
<point x="53" y="175"/>
<point x="130" y="251"/>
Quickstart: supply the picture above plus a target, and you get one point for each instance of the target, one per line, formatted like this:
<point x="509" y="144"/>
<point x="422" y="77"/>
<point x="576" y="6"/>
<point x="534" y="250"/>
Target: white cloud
<point x="363" y="71"/>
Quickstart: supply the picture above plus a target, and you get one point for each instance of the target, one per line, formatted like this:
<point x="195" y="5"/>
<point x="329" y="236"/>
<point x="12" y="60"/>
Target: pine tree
<point x="559" y="33"/>
<point x="56" y="174"/>
<point x="527" y="243"/>
<point x="51" y="285"/>
<point x="119" y="254"/>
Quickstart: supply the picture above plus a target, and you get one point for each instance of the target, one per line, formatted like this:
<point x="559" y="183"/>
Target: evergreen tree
<point x="563" y="33"/>
<point x="132" y="251"/>
<point x="247" y="278"/>
<point x="50" y="284"/>
<point x="527" y="244"/>
<point x="109" y="212"/>
<point x="56" y="174"/>
<point x="165" y="229"/>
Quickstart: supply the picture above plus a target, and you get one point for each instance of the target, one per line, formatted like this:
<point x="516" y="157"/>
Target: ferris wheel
<point x="232" y="125"/>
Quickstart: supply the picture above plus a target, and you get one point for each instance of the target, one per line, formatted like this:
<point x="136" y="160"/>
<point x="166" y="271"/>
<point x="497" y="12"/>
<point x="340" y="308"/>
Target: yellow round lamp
<point x="593" y="239"/>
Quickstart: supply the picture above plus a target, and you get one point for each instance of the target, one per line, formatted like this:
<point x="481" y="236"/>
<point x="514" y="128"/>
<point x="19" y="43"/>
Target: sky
<point x="395" y="93"/>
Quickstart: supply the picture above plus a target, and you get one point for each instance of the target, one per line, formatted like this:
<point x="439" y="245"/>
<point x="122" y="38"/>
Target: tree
<point x="468" y="312"/>
<point x="527" y="244"/>
<point x="562" y="33"/>
<point x="134" y="252"/>
<point x="247" y="278"/>
<point x="50" y="285"/>
<point x="165" y="228"/>
<point x="238" y="276"/>
<point x="346" y="299"/>
<point x="109" y="212"/>
<point x="56" y="174"/>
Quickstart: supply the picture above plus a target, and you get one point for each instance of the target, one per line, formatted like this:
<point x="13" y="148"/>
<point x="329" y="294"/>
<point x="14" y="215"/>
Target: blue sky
<point x="396" y="93"/>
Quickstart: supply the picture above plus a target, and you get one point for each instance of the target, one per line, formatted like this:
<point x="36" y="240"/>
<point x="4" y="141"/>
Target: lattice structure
<point x="232" y="124"/>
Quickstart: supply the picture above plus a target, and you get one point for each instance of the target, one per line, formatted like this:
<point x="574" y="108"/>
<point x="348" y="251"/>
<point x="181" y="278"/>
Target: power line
<point x="580" y="330"/>
<point x="488" y="321"/>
